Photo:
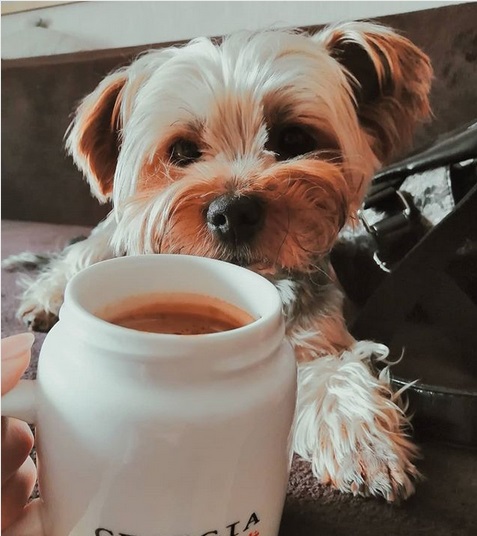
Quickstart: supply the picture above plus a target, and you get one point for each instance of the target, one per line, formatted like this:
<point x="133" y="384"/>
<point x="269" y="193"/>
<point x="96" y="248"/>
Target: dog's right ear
<point x="93" y="138"/>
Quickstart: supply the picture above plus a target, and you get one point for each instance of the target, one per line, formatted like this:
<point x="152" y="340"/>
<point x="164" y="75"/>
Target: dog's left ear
<point x="390" y="78"/>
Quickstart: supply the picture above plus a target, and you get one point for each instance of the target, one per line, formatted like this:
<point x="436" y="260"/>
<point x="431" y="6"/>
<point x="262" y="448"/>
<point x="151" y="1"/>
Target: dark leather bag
<point x="410" y="275"/>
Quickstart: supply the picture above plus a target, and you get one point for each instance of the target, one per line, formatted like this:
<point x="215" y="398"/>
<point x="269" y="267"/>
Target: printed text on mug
<point x="234" y="529"/>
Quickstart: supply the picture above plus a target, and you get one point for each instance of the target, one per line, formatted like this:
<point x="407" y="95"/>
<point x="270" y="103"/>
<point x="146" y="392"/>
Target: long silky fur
<point x="344" y="412"/>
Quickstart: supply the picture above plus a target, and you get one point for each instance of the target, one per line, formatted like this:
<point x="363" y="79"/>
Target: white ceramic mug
<point x="142" y="434"/>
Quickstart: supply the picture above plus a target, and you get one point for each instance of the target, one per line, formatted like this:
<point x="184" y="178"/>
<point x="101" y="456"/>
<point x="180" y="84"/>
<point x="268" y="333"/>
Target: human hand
<point x="18" y="469"/>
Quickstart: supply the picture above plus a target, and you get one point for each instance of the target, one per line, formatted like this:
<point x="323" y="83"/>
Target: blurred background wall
<point x="74" y="26"/>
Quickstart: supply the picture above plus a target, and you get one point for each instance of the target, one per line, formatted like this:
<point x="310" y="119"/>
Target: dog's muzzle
<point x="235" y="219"/>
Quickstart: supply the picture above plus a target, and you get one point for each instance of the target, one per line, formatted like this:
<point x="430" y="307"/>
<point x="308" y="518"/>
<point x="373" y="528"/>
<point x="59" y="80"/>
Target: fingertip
<point x="16" y="353"/>
<point x="16" y="345"/>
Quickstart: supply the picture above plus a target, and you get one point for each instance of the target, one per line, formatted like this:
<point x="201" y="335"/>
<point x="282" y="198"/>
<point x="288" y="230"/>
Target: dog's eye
<point x="291" y="141"/>
<point x="184" y="152"/>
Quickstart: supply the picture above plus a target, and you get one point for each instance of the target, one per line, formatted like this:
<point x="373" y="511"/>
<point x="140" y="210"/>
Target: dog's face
<point x="256" y="150"/>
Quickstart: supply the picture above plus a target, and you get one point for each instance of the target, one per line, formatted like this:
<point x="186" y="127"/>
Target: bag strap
<point x="414" y="276"/>
<point x="456" y="146"/>
<point x="402" y="225"/>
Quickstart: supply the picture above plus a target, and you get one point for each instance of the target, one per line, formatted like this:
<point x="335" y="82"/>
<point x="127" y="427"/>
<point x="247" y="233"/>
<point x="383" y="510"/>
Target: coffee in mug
<point x="176" y="313"/>
<point x="159" y="434"/>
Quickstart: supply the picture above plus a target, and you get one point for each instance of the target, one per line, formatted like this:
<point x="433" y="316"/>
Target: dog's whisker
<point x="322" y="271"/>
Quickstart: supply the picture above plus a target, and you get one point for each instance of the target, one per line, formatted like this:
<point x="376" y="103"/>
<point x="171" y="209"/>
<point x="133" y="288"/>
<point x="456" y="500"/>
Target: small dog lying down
<point x="258" y="151"/>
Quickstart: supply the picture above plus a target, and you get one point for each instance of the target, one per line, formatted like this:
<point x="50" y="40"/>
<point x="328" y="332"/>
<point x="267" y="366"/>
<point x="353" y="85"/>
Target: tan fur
<point x="404" y="74"/>
<point x="95" y="135"/>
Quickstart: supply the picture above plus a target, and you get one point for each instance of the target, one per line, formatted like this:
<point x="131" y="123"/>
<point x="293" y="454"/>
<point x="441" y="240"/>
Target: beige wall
<point x="16" y="7"/>
<point x="98" y="25"/>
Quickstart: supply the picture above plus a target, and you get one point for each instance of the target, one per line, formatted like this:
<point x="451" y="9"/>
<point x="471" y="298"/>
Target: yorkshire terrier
<point x="258" y="150"/>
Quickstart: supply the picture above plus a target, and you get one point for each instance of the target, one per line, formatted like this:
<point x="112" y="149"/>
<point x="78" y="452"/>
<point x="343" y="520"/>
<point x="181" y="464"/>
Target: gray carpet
<point x="445" y="503"/>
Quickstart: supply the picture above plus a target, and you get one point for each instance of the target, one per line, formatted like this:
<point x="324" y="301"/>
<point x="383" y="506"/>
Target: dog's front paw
<point x="37" y="319"/>
<point x="373" y="463"/>
<point x="351" y="428"/>
<point x="40" y="303"/>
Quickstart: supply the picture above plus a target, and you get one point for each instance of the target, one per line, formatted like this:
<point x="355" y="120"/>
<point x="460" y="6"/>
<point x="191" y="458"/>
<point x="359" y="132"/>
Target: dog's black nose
<point x="235" y="219"/>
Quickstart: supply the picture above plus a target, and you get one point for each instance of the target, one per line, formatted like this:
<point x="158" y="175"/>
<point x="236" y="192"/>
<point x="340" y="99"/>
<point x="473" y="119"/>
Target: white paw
<point x="41" y="302"/>
<point x="36" y="318"/>
<point x="373" y="465"/>
<point x="351" y="428"/>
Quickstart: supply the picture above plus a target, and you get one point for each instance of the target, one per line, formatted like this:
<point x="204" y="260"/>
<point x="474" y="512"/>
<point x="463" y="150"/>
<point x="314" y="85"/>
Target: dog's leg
<point x="42" y="297"/>
<point x="349" y="423"/>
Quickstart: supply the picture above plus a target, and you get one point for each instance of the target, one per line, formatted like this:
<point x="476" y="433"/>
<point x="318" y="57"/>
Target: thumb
<point x="29" y="523"/>
<point x="16" y="353"/>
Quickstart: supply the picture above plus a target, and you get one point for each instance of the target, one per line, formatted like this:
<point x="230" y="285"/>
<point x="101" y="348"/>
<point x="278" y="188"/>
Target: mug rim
<point x="264" y="326"/>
